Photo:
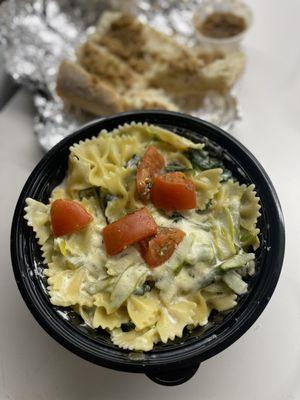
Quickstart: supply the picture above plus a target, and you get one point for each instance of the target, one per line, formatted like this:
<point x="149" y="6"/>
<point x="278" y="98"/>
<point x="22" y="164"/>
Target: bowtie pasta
<point x="146" y="235"/>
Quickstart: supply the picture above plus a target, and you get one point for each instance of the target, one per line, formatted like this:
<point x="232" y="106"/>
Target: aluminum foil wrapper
<point x="36" y="35"/>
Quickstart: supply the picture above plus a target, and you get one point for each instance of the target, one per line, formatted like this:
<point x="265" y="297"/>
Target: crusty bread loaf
<point x="182" y="78"/>
<point x="138" y="44"/>
<point x="98" y="61"/>
<point x="127" y="65"/>
<point x="77" y="87"/>
<point x="222" y="73"/>
<point x="139" y="99"/>
<point x="178" y="78"/>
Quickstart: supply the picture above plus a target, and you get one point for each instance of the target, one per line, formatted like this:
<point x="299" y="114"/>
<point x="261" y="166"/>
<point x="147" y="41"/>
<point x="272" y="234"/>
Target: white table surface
<point x="265" y="363"/>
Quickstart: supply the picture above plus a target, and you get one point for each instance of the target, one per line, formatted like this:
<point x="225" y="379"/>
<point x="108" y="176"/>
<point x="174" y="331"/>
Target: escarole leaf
<point x="130" y="279"/>
<point x="174" y="167"/>
<point x="200" y="159"/>
<point x="237" y="261"/>
<point x="208" y="278"/>
<point x="235" y="282"/>
<point x="223" y="234"/>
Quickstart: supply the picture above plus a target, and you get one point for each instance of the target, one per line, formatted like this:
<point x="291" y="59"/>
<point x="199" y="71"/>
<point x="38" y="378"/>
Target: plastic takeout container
<point x="175" y="362"/>
<point x="236" y="7"/>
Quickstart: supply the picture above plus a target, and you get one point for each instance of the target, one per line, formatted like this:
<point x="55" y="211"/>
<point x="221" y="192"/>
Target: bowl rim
<point x="172" y="358"/>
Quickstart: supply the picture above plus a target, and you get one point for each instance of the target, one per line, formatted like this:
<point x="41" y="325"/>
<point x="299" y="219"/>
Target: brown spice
<point x="221" y="25"/>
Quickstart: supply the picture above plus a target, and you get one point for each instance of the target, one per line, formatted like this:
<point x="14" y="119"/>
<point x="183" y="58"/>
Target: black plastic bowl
<point x="175" y="362"/>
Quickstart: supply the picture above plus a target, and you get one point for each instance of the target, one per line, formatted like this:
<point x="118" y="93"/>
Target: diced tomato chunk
<point x="173" y="192"/>
<point x="158" y="249"/>
<point x="148" y="167"/>
<point x="68" y="216"/>
<point x="128" y="230"/>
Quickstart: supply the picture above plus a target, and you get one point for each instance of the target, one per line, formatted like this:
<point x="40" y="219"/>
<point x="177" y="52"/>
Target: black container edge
<point x="180" y="361"/>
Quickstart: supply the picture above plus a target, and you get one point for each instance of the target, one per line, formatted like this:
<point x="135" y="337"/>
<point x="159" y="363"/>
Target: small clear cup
<point x="235" y="7"/>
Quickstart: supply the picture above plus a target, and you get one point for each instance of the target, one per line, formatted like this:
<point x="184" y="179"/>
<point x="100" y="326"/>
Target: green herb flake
<point x="200" y="159"/>
<point x="177" y="168"/>
<point x="128" y="327"/>
<point x="176" y="216"/>
<point x="146" y="287"/>
<point x="133" y="162"/>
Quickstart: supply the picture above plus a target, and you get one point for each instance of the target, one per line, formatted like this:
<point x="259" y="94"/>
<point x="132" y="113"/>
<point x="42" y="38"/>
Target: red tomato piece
<point x="158" y="249"/>
<point x="128" y="230"/>
<point x="173" y="192"/>
<point x="68" y="216"/>
<point x="150" y="164"/>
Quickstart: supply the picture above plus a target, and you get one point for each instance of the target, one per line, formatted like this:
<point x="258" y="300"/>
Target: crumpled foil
<point x="35" y="35"/>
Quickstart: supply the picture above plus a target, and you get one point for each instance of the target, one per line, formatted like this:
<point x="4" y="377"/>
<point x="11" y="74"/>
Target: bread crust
<point x="128" y="65"/>
<point x="76" y="86"/>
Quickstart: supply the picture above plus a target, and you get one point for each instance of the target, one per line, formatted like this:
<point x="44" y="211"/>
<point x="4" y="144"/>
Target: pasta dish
<point x="147" y="235"/>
